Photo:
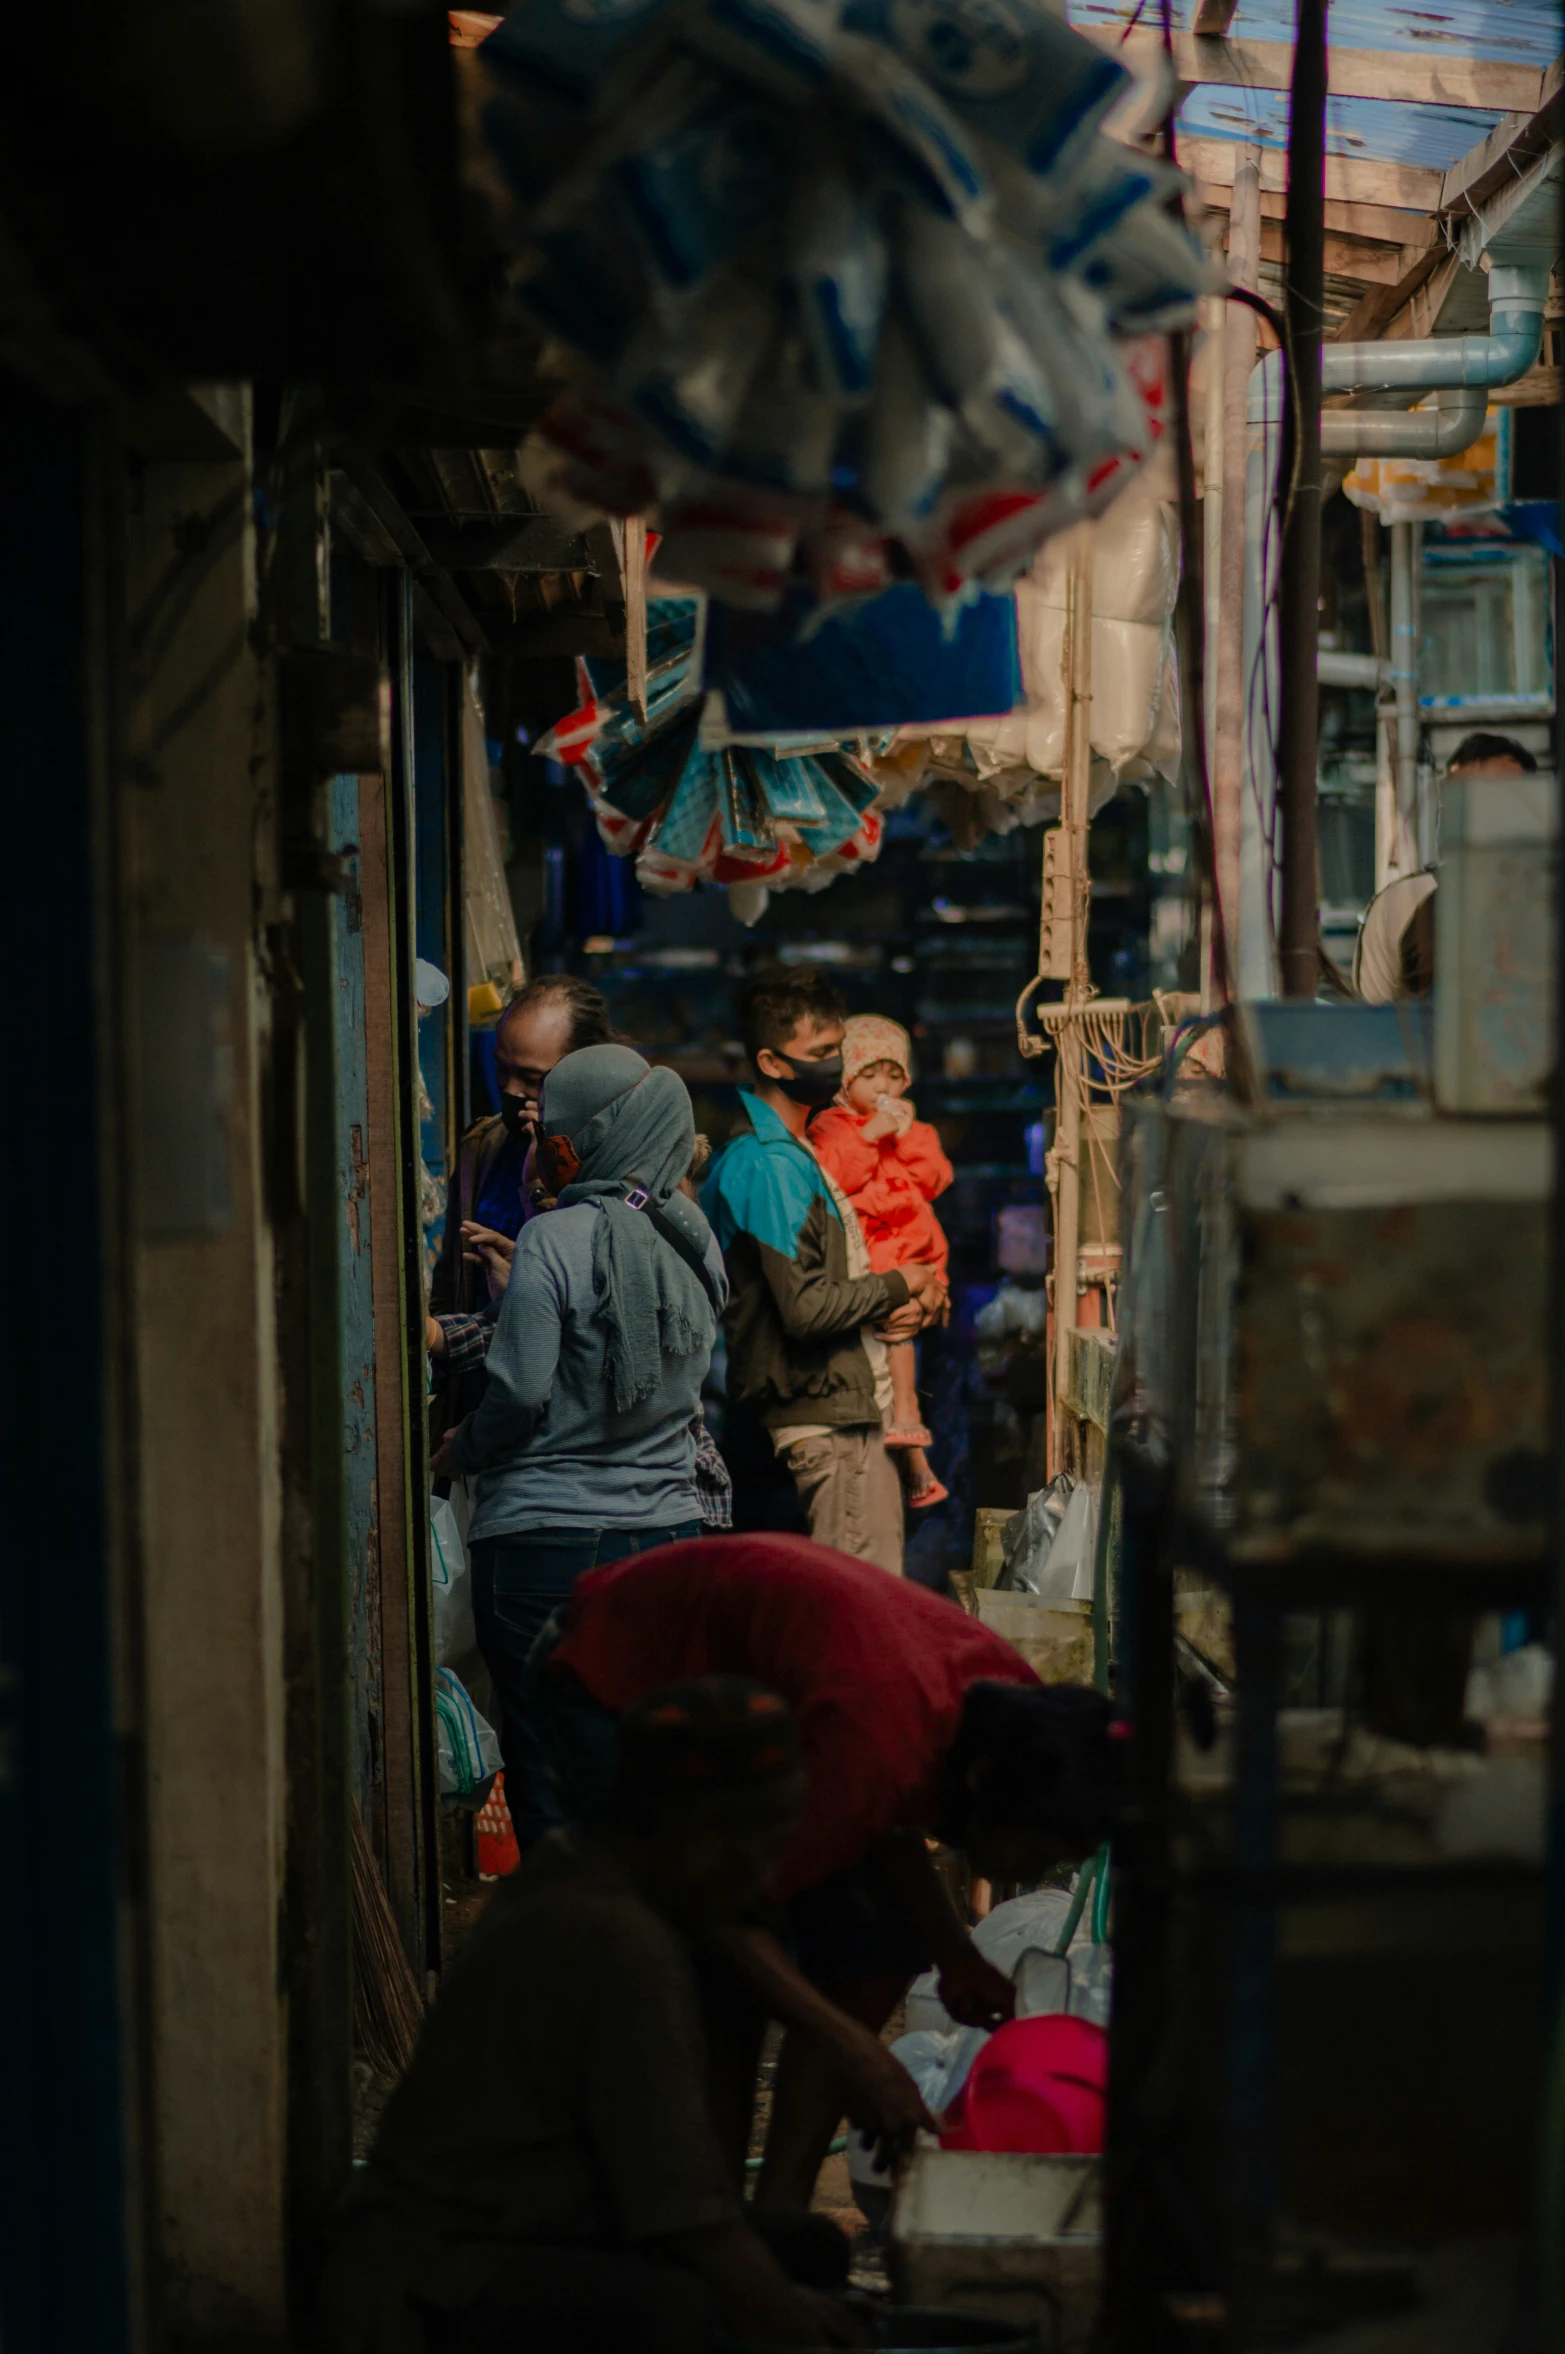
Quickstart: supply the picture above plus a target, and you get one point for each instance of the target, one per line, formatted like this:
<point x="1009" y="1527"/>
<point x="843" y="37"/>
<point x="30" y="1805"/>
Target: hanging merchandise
<point x="690" y="811"/>
<point x="990" y="774"/>
<point x="852" y="289"/>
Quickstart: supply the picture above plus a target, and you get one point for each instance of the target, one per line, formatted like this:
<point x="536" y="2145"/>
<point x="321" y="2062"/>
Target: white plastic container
<point x="1017" y="2237"/>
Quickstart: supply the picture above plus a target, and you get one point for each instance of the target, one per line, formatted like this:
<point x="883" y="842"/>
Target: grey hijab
<point x="632" y="1127"/>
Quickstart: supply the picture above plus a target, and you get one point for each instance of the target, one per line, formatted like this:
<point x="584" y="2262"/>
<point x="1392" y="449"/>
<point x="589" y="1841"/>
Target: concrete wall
<point x="198" y="831"/>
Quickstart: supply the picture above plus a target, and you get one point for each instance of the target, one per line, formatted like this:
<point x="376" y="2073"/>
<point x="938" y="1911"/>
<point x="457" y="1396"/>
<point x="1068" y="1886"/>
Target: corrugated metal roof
<point x="1432" y="135"/>
<point x="1521" y="32"/>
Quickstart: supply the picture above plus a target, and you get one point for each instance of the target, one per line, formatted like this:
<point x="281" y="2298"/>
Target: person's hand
<point x="880" y="1123"/>
<point x="925" y="1284"/>
<point x="882" y="2098"/>
<point x="440" y="1463"/>
<point x="489" y="1250"/>
<point x="898" y="1110"/>
<point x="904" y="1323"/>
<point x="434" y="1336"/>
<point x="974" y="1992"/>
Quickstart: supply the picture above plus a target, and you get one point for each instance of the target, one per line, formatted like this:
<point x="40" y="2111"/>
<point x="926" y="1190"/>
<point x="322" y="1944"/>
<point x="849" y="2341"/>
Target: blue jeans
<point x="519" y="1582"/>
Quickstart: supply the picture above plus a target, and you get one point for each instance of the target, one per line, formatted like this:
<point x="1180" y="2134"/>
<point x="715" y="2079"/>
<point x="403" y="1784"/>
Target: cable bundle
<point x="857" y="289"/>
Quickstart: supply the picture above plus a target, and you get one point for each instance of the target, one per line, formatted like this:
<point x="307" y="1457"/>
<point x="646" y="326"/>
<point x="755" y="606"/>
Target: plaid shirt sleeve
<point x="467" y="1341"/>
<point x="714" y="1488"/>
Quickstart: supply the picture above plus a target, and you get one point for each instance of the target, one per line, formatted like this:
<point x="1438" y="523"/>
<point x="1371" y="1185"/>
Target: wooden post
<point x="1228" y="697"/>
<point x="1299" y="498"/>
<point x="1075" y="794"/>
<point x="636" y="613"/>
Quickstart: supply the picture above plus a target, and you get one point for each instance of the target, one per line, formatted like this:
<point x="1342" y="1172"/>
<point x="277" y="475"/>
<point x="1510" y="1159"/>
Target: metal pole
<point x="1074" y="798"/>
<point x="1229" y="683"/>
<point x="1300" y="494"/>
<point x="1404" y="858"/>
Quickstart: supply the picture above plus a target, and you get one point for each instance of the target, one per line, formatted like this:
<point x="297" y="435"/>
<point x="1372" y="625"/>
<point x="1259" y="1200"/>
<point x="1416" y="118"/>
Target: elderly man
<point x="546" y="1020"/>
<point x="1395" y="956"/>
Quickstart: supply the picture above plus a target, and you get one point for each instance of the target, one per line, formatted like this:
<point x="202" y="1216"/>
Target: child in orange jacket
<point x="890" y="1166"/>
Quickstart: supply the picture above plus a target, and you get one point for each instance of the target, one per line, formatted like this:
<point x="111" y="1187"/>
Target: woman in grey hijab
<point x="582" y="1447"/>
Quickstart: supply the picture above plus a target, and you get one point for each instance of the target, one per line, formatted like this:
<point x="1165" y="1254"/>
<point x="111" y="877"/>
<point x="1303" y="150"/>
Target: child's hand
<point x="881" y="1123"/>
<point x="897" y="1111"/>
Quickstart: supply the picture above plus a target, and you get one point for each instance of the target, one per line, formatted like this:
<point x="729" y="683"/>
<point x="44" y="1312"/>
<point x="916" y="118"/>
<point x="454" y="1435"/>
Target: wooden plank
<point x="1350" y="179"/>
<point x="1411" y="77"/>
<point x="1361" y="258"/>
<point x="1370" y="316"/>
<point x="1507" y="151"/>
<point x="1226" y="656"/>
<point x="1213" y="17"/>
<point x="520" y="543"/>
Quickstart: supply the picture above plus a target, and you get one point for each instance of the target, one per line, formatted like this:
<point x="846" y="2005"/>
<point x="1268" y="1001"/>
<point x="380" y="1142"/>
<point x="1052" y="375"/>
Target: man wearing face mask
<point x="807" y="1320"/>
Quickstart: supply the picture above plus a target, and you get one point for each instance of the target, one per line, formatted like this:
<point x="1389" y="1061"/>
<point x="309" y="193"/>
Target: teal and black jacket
<point x="794" y="1312"/>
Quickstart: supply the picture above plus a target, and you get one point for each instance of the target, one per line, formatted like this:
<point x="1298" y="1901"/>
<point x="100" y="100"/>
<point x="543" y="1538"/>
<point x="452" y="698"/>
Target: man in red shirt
<point x="916" y="1721"/>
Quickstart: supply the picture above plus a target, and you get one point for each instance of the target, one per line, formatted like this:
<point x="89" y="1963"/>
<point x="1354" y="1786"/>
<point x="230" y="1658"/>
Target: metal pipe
<point x="1442" y="361"/>
<point x="1404" y="680"/>
<point x="1452" y="425"/>
<point x="1298" y="620"/>
<point x="1516" y="299"/>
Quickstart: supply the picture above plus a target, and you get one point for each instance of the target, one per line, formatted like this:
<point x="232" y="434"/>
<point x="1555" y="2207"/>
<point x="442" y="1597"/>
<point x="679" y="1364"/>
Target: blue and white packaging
<point x="689" y="369"/>
<point x="1009" y="69"/>
<point x="973" y="351"/>
<point x="922" y="146"/>
<point x="784" y="46"/>
<point x="839" y="264"/>
<point x="907" y="438"/>
<point x="712" y="165"/>
<point x="887" y="663"/>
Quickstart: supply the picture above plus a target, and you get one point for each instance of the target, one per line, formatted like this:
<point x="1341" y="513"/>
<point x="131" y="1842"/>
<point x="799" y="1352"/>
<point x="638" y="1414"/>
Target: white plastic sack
<point x="1135" y="699"/>
<point x="451" y="1580"/>
<point x="1050" y="1546"/>
<point x="469" y="1746"/>
<point x="938" y="2065"/>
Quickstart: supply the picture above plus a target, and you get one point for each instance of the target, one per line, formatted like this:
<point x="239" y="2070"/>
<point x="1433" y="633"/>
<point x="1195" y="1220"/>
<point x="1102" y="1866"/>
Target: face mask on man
<point x="518" y="1114"/>
<point x="811" y="1083"/>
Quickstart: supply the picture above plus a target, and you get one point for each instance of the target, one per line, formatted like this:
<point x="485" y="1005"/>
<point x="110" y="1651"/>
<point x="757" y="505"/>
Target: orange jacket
<point x="890" y="1183"/>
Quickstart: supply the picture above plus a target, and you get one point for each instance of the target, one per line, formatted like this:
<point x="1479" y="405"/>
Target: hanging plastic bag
<point x="469" y="1745"/>
<point x="451" y="1581"/>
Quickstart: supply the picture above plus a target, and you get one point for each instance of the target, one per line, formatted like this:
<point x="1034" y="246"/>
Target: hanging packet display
<point x="839" y="269"/>
<point x="880" y="664"/>
<point x="1013" y="72"/>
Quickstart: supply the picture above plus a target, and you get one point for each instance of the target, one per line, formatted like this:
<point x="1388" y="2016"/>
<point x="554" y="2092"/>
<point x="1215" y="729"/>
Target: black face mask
<point x="812" y="1083"/>
<point x="518" y="1115"/>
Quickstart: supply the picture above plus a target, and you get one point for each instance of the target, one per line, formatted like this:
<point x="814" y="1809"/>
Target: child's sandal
<point x="909" y="1434"/>
<point x="935" y="1493"/>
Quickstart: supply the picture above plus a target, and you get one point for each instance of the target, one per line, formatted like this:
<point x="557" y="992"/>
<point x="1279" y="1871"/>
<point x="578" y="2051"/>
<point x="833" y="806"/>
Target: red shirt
<point x="874" y="1668"/>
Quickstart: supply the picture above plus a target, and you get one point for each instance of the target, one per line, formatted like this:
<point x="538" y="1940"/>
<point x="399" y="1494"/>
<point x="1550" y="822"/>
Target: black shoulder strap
<point x="667" y="1231"/>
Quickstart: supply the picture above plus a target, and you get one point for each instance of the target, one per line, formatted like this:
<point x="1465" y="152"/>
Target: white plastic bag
<point x="469" y="1746"/>
<point x="451" y="1580"/>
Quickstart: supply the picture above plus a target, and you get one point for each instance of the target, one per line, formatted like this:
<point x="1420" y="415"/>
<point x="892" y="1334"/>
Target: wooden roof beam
<point x="1350" y="179"/>
<point x="1213" y="17"/>
<point x="1379" y="224"/>
<point x="1366" y="260"/>
<point x="1508" y="150"/>
<point x="1411" y="77"/>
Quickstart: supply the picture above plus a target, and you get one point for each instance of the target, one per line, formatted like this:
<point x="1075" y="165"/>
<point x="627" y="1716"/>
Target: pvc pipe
<point x="1334" y="669"/>
<point x="1477" y="362"/>
<point x="1454" y="424"/>
<point x="1516" y="300"/>
<point x="1404" y="680"/>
